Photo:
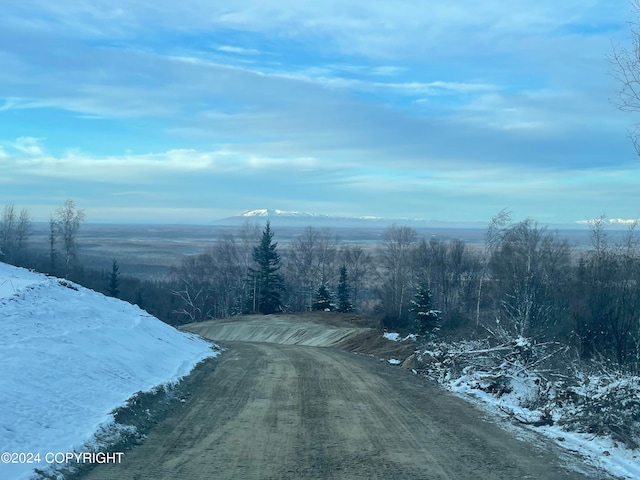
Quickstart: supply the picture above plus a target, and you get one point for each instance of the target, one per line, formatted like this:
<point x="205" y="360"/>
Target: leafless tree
<point x="492" y="238"/>
<point x="450" y="272"/>
<point x="395" y="256"/>
<point x="194" y="302"/>
<point x="309" y="262"/>
<point x="247" y="238"/>
<point x="217" y="283"/>
<point x="14" y="232"/>
<point x="360" y="267"/>
<point x="529" y="268"/>
<point x="230" y="276"/>
<point x="194" y="276"/>
<point x="327" y="256"/>
<point x="625" y="67"/>
<point x="68" y="220"/>
<point x="23" y="229"/>
<point x="7" y="231"/>
<point x="301" y="267"/>
<point x="607" y="287"/>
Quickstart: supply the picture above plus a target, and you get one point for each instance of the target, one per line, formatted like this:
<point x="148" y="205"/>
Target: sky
<point x="148" y="111"/>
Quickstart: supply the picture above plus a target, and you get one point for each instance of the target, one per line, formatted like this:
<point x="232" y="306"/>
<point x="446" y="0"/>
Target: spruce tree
<point x="268" y="282"/>
<point x="425" y="317"/>
<point x="344" y="303"/>
<point x="323" y="298"/>
<point x="114" y="280"/>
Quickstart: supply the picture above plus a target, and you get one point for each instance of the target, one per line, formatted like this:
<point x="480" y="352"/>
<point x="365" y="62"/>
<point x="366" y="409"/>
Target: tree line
<point x="61" y="258"/>
<point x="64" y="223"/>
<point x="523" y="281"/>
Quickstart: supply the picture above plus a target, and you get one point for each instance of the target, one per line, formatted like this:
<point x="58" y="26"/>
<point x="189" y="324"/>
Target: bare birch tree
<point x="14" y="232"/>
<point x="396" y="262"/>
<point x="360" y="267"/>
<point x="68" y="220"/>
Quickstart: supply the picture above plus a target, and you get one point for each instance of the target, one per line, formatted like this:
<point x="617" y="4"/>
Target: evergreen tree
<point x="323" y="298"/>
<point x="114" y="280"/>
<point x="344" y="303"/>
<point x="268" y="282"/>
<point x="424" y="316"/>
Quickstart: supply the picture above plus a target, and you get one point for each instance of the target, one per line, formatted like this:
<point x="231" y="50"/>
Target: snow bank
<point x="69" y="357"/>
<point x="509" y="380"/>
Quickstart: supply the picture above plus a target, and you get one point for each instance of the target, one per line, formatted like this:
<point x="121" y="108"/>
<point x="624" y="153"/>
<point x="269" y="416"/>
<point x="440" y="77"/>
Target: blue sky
<point x="186" y="112"/>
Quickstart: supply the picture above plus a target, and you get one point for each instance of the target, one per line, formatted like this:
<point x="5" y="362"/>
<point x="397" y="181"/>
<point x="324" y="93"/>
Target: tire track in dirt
<point x="273" y="411"/>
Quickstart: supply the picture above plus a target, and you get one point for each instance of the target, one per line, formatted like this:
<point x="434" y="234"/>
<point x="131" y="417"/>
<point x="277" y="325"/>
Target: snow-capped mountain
<point x="611" y="221"/>
<point x="265" y="212"/>
<point x="297" y="218"/>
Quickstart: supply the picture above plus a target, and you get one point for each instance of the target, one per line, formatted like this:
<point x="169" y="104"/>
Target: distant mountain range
<point x="294" y="218"/>
<point x="265" y="212"/>
<point x="611" y="221"/>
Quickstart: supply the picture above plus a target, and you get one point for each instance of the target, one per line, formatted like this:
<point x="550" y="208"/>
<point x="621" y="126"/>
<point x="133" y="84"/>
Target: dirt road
<point x="272" y="411"/>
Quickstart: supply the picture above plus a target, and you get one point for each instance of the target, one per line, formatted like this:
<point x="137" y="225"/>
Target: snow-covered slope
<point x="68" y="357"/>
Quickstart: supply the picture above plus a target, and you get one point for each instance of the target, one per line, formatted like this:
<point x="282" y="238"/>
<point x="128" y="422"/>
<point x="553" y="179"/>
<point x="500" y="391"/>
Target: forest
<point x="524" y="281"/>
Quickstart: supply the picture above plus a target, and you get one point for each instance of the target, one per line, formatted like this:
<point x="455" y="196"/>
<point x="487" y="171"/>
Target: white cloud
<point x="28" y="145"/>
<point x="238" y="50"/>
<point x="262" y="162"/>
<point x="145" y="168"/>
<point x="438" y="87"/>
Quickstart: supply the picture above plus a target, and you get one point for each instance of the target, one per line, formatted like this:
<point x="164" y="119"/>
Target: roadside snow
<point x="395" y="337"/>
<point x="69" y="357"/>
<point x="514" y="391"/>
<point x="600" y="452"/>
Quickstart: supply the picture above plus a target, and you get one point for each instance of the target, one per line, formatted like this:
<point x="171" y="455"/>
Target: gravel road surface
<point x="271" y="411"/>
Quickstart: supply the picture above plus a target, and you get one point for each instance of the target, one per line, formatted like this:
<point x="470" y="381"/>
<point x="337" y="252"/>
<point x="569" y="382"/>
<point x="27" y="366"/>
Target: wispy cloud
<point x="28" y="145"/>
<point x="238" y="50"/>
<point x="29" y="158"/>
<point x="358" y="106"/>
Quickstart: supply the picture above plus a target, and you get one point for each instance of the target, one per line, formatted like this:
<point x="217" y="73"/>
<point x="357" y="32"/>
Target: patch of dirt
<point x="372" y="342"/>
<point x="336" y="319"/>
<point x="332" y="319"/>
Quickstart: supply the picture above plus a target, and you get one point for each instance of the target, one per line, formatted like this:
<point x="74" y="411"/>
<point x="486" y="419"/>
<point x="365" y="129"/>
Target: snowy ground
<point x="601" y="452"/>
<point x="69" y="357"/>
<point x="517" y="401"/>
